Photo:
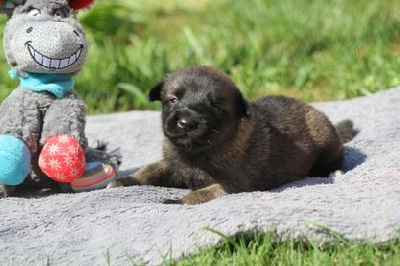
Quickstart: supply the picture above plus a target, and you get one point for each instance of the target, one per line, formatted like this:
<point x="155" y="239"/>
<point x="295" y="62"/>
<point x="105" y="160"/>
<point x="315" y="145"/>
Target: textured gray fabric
<point x="125" y="225"/>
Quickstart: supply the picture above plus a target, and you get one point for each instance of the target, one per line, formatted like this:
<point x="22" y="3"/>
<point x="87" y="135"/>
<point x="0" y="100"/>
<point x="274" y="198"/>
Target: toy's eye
<point x="59" y="13"/>
<point x="173" y="100"/>
<point x="34" y="12"/>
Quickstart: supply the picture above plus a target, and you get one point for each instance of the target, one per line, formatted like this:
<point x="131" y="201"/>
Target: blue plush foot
<point x="15" y="160"/>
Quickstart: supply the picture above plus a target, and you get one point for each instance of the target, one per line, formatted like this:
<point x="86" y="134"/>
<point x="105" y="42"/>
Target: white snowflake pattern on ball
<point x="64" y="153"/>
<point x="63" y="139"/>
<point x="42" y="163"/>
<point x="72" y="149"/>
<point x="53" y="149"/>
<point x="68" y="160"/>
<point x="54" y="164"/>
<point x="74" y="171"/>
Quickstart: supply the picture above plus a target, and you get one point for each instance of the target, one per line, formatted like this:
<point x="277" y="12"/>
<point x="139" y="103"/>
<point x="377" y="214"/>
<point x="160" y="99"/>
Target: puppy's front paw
<point x="173" y="201"/>
<point x="123" y="182"/>
<point x="200" y="196"/>
<point x="115" y="183"/>
<point x="187" y="200"/>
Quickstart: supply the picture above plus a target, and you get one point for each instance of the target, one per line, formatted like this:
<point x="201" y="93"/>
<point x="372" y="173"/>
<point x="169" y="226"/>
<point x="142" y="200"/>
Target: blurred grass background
<point x="315" y="50"/>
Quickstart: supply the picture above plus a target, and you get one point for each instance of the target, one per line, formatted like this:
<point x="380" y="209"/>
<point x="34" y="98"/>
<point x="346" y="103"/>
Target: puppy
<point x="216" y="142"/>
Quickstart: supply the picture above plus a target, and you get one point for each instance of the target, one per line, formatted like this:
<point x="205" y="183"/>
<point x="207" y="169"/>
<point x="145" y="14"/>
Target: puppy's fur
<point x="216" y="142"/>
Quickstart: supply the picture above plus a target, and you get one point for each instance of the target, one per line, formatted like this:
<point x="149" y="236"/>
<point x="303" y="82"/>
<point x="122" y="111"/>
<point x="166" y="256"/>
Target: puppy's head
<point x="201" y="107"/>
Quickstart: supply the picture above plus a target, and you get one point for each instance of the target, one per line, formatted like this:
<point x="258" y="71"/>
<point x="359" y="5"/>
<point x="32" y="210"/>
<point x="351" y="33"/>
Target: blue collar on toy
<point x="56" y="84"/>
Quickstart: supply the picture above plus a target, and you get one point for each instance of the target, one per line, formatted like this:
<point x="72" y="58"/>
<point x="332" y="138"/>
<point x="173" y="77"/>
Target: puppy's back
<point x="301" y="140"/>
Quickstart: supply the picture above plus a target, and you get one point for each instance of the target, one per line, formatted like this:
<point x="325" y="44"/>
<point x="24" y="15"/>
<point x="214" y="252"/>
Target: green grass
<point x="264" y="249"/>
<point x="314" y="50"/>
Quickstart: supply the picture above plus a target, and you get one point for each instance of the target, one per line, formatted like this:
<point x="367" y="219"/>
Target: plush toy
<point x="42" y="122"/>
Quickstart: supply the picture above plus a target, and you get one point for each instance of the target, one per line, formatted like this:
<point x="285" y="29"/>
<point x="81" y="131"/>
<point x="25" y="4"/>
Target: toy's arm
<point x="66" y="116"/>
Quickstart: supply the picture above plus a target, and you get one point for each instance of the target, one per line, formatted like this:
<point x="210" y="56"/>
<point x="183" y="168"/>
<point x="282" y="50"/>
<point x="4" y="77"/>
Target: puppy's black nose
<point x="187" y="124"/>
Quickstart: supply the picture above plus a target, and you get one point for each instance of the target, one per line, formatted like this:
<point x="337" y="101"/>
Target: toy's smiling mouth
<point x="52" y="62"/>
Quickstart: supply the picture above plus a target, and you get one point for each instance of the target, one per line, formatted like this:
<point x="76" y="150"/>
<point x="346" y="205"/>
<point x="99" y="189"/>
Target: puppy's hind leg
<point x="156" y="174"/>
<point x="200" y="196"/>
<point x="331" y="159"/>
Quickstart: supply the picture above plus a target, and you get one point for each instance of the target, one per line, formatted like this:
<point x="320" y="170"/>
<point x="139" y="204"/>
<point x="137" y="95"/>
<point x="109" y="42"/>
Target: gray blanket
<point x="127" y="225"/>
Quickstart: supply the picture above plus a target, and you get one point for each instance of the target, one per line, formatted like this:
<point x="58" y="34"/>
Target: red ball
<point x="62" y="158"/>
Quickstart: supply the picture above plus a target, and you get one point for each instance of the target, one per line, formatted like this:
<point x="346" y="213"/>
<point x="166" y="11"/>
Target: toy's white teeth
<point x="54" y="63"/>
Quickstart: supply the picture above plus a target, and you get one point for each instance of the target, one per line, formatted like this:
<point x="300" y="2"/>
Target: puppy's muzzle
<point x="187" y="124"/>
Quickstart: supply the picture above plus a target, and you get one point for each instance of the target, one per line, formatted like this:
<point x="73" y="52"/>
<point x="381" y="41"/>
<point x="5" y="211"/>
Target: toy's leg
<point x="19" y="133"/>
<point x="62" y="157"/>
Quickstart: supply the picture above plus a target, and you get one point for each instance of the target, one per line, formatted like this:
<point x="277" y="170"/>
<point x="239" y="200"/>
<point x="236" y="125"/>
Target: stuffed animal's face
<point x="43" y="36"/>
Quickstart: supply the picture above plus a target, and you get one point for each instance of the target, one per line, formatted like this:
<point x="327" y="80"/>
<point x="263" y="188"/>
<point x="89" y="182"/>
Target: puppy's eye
<point x="34" y="12"/>
<point x="217" y="108"/>
<point x="173" y="100"/>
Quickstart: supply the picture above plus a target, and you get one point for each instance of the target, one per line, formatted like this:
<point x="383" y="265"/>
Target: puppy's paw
<point x="115" y="183"/>
<point x="173" y="201"/>
<point x="123" y="182"/>
<point x="200" y="196"/>
<point x="187" y="200"/>
<point x="337" y="173"/>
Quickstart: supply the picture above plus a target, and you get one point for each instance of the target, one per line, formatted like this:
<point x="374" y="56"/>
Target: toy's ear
<point x="155" y="92"/>
<point x="79" y="4"/>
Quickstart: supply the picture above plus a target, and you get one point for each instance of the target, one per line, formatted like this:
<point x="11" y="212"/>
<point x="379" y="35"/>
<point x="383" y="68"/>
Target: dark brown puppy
<point x="217" y="143"/>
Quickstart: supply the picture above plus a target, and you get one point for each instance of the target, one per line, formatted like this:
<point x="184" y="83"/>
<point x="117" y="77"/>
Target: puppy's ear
<point x="155" y="92"/>
<point x="243" y="107"/>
